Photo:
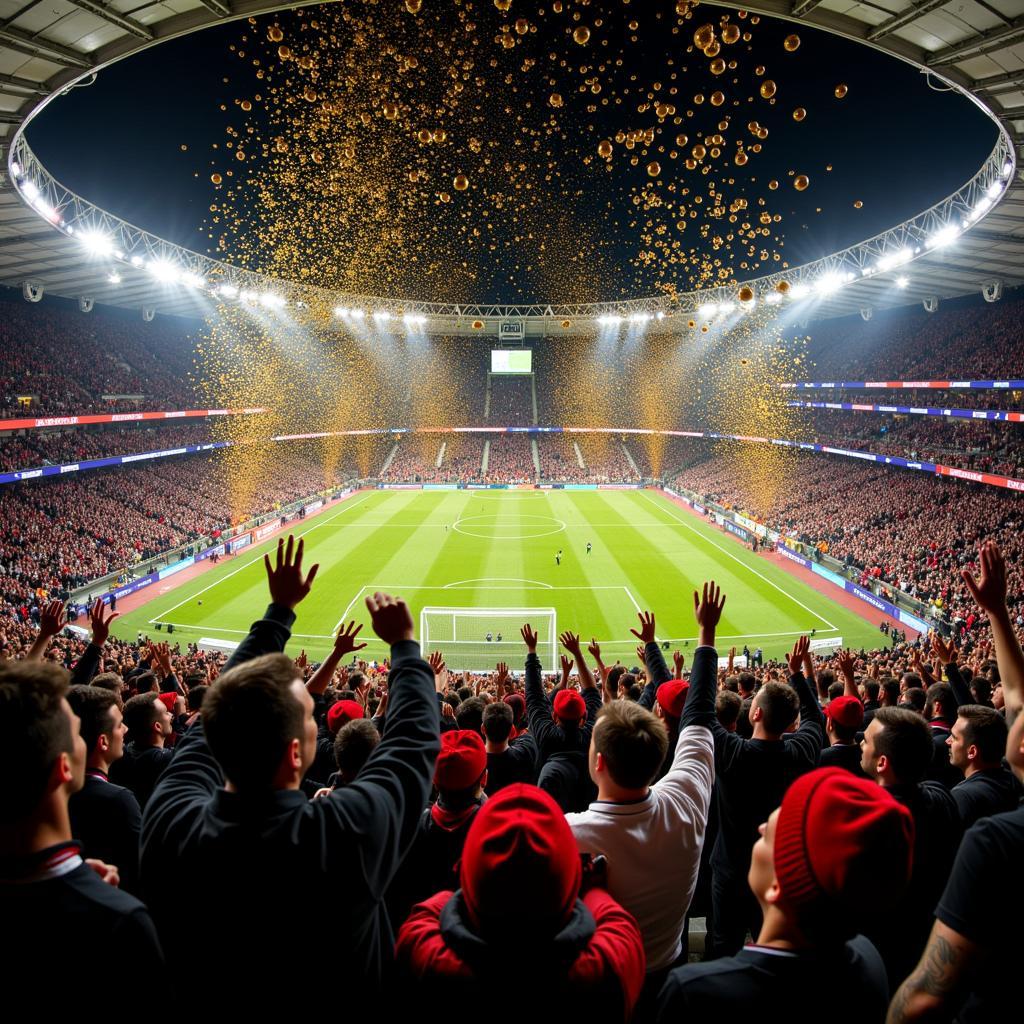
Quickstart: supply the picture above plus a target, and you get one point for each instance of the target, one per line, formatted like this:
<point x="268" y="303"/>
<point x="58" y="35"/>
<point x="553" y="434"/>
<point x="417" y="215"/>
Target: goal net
<point x="476" y="639"/>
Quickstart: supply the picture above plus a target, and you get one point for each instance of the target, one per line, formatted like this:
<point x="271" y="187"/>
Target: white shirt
<point x="653" y="846"/>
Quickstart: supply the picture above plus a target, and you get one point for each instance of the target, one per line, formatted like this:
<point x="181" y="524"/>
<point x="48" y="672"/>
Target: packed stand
<point x="605" y="459"/>
<point x="510" y="460"/>
<point x="845" y="823"/>
<point x="511" y="402"/>
<point x="415" y="460"/>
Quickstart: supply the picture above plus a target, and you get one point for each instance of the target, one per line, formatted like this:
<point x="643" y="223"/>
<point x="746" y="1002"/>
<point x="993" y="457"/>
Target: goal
<point x="460" y="634"/>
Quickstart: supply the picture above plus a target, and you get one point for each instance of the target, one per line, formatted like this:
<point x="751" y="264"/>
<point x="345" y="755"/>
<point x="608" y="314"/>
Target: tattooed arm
<point x="935" y="988"/>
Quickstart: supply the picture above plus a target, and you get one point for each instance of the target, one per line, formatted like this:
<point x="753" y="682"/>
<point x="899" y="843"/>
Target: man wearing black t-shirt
<point x="507" y="763"/>
<point x="972" y="958"/>
<point x="146" y="755"/>
<point x="54" y="905"/>
<point x="976" y="746"/>
<point x="814" y="872"/>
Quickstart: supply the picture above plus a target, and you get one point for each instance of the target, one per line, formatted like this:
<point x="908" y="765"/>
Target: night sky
<point x="894" y="143"/>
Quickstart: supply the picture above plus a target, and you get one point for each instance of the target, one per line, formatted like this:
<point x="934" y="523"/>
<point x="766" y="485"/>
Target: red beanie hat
<point x="168" y="700"/>
<point x="832" y="832"/>
<point x="569" y="706"/>
<point x="517" y="703"/>
<point x="341" y="712"/>
<point x="846" y="711"/>
<point x="672" y="697"/>
<point x="520" y="864"/>
<point x="462" y="760"/>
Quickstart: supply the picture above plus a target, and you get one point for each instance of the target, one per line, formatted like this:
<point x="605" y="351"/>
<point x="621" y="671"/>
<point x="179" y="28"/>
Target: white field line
<point x="609" y="643"/>
<point x="714" y="543"/>
<point x="259" y="558"/>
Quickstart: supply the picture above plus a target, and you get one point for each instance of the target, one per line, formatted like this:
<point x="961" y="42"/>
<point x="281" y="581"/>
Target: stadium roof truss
<point x="972" y="241"/>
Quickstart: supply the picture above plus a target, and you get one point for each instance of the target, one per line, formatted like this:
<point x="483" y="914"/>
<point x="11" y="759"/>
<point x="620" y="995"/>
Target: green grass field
<point x="496" y="550"/>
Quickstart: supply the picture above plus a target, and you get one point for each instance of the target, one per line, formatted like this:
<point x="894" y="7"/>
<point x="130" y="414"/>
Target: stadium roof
<point x="976" y="45"/>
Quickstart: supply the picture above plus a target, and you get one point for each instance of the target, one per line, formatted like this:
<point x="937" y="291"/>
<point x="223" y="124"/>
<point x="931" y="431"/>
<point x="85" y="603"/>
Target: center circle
<point x="524" y="530"/>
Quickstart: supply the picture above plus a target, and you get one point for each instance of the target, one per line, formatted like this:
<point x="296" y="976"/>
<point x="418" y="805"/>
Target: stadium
<point x="497" y="344"/>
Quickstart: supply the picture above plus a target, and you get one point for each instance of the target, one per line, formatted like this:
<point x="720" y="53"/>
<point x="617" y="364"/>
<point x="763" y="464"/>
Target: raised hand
<point x="391" y="618"/>
<point x="646" y="634"/>
<point x="594" y="648"/>
<point x="990" y="590"/>
<point x="845" y="662"/>
<point x="100" y="626"/>
<point x="287" y="586"/>
<point x="945" y="652"/>
<point x="640" y="654"/>
<point x="502" y="678"/>
<point x="302" y="662"/>
<point x="437" y="665"/>
<point x="51" y="618"/>
<point x="680" y="663"/>
<point x="345" y="640"/>
<point x="567" y="664"/>
<point x="571" y="642"/>
<point x="796" y="657"/>
<point x="529" y="638"/>
<point x="707" y="609"/>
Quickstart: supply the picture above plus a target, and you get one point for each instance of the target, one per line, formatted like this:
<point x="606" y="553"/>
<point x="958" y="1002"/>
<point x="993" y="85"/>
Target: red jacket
<point x="593" y="969"/>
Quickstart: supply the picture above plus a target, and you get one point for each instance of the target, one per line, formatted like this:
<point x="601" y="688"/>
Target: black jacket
<point x="986" y="793"/>
<point x="549" y="737"/>
<point x="106" y="819"/>
<point x="751" y="777"/>
<point x="140" y="769"/>
<point x="517" y="764"/>
<point x="275" y="881"/>
<point x="843" y="755"/>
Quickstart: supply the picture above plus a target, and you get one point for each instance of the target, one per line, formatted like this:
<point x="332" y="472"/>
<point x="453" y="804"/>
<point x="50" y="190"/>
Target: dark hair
<point x="836" y="689"/>
<point x="196" y="696"/>
<point x="779" y="706"/>
<point x="941" y="692"/>
<point x="986" y="729"/>
<point x="747" y="682"/>
<point x="632" y="741"/>
<point x="34" y="732"/>
<point x="470" y="713"/>
<point x="981" y="690"/>
<point x="250" y="716"/>
<point x="871" y="687"/>
<point x="112" y="682"/>
<point x="353" y="745"/>
<point x="890" y="689"/>
<point x="145" y="681"/>
<point x="613" y="677"/>
<point x="140" y="712"/>
<point x="497" y="722"/>
<point x="635" y="692"/>
<point x="732" y="684"/>
<point x="826" y="677"/>
<point x="727" y="708"/>
<point x="355" y="679"/>
<point x="906" y="741"/>
<point x="92" y="704"/>
<point x="912" y="679"/>
<point x="915" y="698"/>
<point x="465" y="692"/>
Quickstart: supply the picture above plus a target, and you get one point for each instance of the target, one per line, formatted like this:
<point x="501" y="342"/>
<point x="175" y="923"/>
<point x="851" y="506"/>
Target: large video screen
<point x="511" y="360"/>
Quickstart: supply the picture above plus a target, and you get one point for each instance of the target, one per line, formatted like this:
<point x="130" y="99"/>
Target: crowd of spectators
<point x="511" y="402"/>
<point x="510" y="460"/>
<point x="64" y="361"/>
<point x="845" y="823"/>
<point x="414" y="461"/>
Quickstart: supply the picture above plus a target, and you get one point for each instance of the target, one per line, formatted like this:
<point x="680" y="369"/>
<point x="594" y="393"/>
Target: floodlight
<point x="943" y="237"/>
<point x="902" y="282"/>
<point x="97" y="243"/>
<point x="164" y="271"/>
<point x="829" y="283"/>
<point x="228" y="291"/>
<point x="114" y="278"/>
<point x="799" y="291"/>
<point x="708" y="310"/>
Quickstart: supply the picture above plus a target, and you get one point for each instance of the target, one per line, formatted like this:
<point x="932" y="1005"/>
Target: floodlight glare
<point x="357" y="314"/>
<point x="639" y="318"/>
<point x="661" y="314"/>
<point x="829" y="283"/>
<point x="272" y="301"/>
<point x="382" y="314"/>
<point x="114" y="278"/>
<point x="163" y="271"/>
<point x="708" y="310"/>
<point x="902" y="282"/>
<point x="799" y="291"/>
<point x="894" y="259"/>
<point x="341" y="311"/>
<point x="943" y="237"/>
<point x="726" y="307"/>
<point x="773" y="298"/>
<point x="96" y="243"/>
<point x="228" y="291"/>
<point x="192" y="280"/>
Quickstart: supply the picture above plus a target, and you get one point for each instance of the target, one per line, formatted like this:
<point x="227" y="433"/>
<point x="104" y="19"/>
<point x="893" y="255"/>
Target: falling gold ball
<point x="566" y="324"/>
<point x="682" y="140"/>
<point x="857" y="204"/>
<point x="717" y="99"/>
<point x="390" y="111"/>
<point x="284" y="52"/>
<point x="717" y="66"/>
<point x="444" y="197"/>
<point x="216" y="179"/>
<point x="413" y="6"/>
<point x="741" y="158"/>
<point x="704" y="37"/>
<point x="246" y="106"/>
<point x="691" y="324"/>
<point x="745" y="294"/>
<point x="767" y="89"/>
<point x="522" y="26"/>
<point x="309" y="94"/>
<point x="555" y="99"/>
<point x="773" y="184"/>
<point x="184" y="148"/>
<point x="274" y="34"/>
<point x="800" y="182"/>
<point x="744" y="362"/>
<point x="503" y="5"/>
<point x="699" y="152"/>
<point x="239" y="155"/>
<point x="799" y="114"/>
<point x="424" y="136"/>
<point x="582" y="35"/>
<point x="478" y="325"/>
<point x="704" y="329"/>
<point x="791" y="43"/>
<point x="461" y="183"/>
<point x="782" y="287"/>
<point x="654" y="168"/>
<point x="841" y="91"/>
<point x="730" y="34"/>
<point x="440" y="135"/>
<point x="604" y="149"/>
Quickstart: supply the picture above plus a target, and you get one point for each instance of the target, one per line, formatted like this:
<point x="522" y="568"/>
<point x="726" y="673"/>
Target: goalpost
<point x="461" y="635"/>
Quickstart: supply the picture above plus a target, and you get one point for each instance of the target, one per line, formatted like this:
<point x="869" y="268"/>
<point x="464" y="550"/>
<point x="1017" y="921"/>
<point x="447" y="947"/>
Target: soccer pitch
<point x="497" y="550"/>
